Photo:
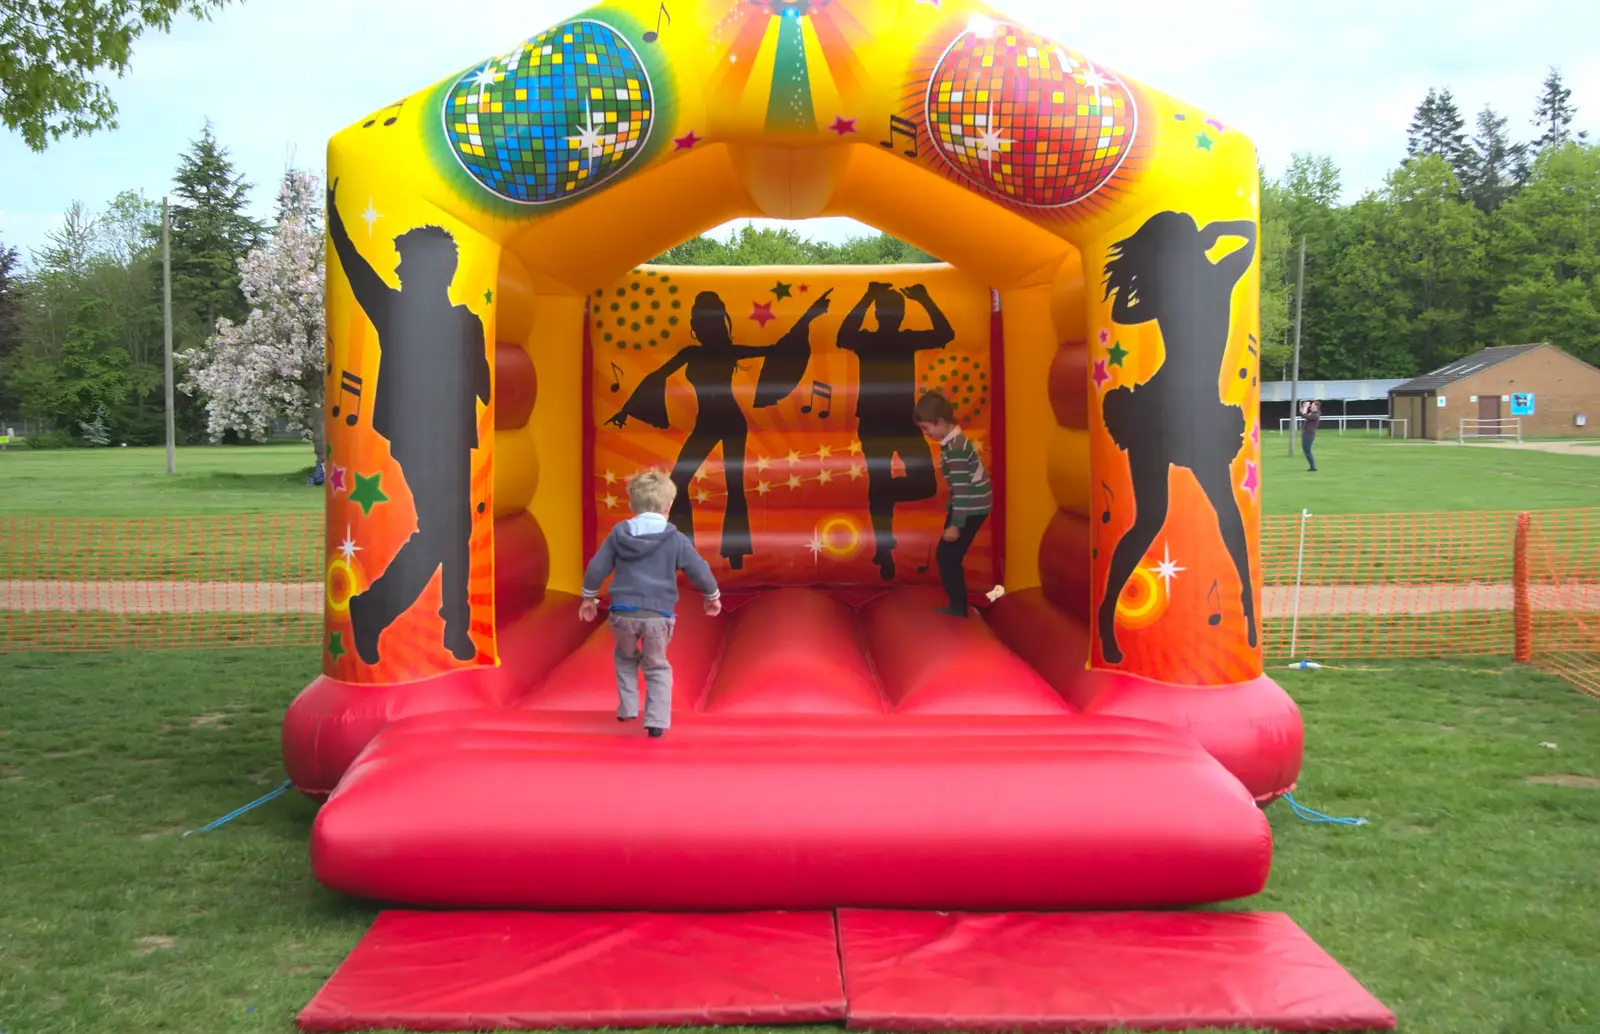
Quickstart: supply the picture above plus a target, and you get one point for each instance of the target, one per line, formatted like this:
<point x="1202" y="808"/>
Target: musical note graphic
<point x="1252" y="345"/>
<point x="922" y="568"/>
<point x="899" y="125"/>
<point x="616" y="378"/>
<point x="654" y="34"/>
<point x="391" y="120"/>
<point x="823" y="390"/>
<point x="1214" y="601"/>
<point x="349" y="384"/>
<point x="1110" y="497"/>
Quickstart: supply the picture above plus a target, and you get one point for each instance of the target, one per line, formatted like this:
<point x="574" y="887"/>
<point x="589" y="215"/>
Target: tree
<point x="55" y="56"/>
<point x="10" y="324"/>
<point x="1496" y="162"/>
<point x="1437" y="128"/>
<point x="783" y="246"/>
<point x="210" y="233"/>
<point x="270" y="367"/>
<point x="1434" y="246"/>
<point x="1277" y="285"/>
<point x="1309" y="196"/>
<point x="1553" y="113"/>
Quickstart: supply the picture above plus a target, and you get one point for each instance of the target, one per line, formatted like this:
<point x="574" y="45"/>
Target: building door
<point x="1489" y="410"/>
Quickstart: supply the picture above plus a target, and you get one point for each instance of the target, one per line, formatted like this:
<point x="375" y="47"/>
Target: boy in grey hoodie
<point x="645" y="554"/>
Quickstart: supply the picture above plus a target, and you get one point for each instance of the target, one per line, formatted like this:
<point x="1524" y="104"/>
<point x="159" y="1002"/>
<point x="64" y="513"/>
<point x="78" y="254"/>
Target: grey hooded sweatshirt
<point x="646" y="554"/>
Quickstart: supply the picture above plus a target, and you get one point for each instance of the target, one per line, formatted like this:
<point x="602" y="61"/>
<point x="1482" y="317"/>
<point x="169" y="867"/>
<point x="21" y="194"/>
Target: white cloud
<point x="280" y="76"/>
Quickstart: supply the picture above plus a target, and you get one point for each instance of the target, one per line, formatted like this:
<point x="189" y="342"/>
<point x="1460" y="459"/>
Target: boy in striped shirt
<point x="971" y="494"/>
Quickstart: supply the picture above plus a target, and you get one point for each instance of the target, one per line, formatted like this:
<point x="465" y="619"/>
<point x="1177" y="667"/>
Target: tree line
<point x="1473" y="239"/>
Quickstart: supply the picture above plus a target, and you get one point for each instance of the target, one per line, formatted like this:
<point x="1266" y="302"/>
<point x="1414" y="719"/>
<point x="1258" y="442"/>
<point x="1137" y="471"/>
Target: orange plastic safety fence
<point x="156" y="583"/>
<point x="1564" y="592"/>
<point x="1337" y="587"/>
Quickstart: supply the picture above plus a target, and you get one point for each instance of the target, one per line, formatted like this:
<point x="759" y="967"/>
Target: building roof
<point x="1477" y="362"/>
<point x="1325" y="391"/>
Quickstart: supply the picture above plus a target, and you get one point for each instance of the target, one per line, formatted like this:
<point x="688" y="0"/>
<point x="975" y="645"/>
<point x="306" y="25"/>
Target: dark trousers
<point x="950" y="556"/>
<point x="1305" y="447"/>
<point x="443" y="539"/>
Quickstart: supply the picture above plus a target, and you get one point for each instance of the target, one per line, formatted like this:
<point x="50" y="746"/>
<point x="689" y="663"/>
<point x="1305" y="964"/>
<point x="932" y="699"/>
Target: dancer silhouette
<point x="718" y="419"/>
<point x="1176" y="418"/>
<point x="885" y="399"/>
<point x="432" y="372"/>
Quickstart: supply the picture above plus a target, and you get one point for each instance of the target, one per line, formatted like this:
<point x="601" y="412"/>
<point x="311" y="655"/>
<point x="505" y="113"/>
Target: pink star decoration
<point x="843" y="126"/>
<point x="761" y="312"/>
<point x="686" y="143"/>
<point x="1100" y="375"/>
<point x="1252" y="478"/>
<point x="1218" y="126"/>
<point x="1105" y="337"/>
<point x="1255" y="435"/>
<point x="336" y="478"/>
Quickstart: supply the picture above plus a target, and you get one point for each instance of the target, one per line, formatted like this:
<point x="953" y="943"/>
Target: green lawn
<point x="134" y="482"/>
<point x="1468" y="905"/>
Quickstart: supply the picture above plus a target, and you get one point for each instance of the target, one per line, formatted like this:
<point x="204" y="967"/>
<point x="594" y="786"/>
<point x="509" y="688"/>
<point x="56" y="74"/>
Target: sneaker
<point x="656" y="734"/>
<point x="629" y="718"/>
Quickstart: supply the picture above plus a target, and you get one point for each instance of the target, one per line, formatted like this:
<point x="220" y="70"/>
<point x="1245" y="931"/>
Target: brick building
<point x="1537" y="389"/>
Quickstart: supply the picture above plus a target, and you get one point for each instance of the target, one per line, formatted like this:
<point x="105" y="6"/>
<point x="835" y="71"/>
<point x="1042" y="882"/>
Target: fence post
<point x="1299" y="568"/>
<point x="1521" y="596"/>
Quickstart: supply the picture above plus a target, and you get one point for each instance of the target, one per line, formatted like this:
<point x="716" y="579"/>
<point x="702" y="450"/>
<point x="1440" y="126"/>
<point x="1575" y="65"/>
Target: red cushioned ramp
<point x="537" y="971"/>
<point x="929" y="971"/>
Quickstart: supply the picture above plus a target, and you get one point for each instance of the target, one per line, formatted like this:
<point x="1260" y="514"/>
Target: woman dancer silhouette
<point x="718" y="419"/>
<point x="1176" y="418"/>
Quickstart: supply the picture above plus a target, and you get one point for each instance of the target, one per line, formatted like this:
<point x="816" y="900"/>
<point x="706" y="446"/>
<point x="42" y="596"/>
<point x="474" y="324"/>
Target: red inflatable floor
<point x="901" y="971"/>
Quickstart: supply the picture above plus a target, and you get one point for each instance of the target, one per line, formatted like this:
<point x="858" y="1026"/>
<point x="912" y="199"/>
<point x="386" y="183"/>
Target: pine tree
<point x="210" y="234"/>
<point x="1553" y="114"/>
<point x="1438" y="128"/>
<point x="1495" y="173"/>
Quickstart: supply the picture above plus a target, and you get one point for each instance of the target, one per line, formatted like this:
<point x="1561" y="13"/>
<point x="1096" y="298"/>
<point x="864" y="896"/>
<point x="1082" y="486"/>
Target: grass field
<point x="1468" y="904"/>
<point x="134" y="482"/>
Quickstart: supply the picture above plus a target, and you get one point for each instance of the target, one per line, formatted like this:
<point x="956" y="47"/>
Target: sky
<point x="1336" y="77"/>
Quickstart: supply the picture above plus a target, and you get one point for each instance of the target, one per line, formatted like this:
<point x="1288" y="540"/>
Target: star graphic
<point x="762" y="463"/>
<point x="488" y="297"/>
<point x="702" y="496"/>
<point x="990" y="142"/>
<point x="780" y="291"/>
<point x="762" y="488"/>
<point x="1094" y="81"/>
<point x="1252" y="478"/>
<point x="816" y="545"/>
<point x="824" y="451"/>
<point x="686" y="143"/>
<point x="1203" y="142"/>
<point x="610" y="501"/>
<point x="855" y="448"/>
<point x="1105" y="336"/>
<point x="1167" y="570"/>
<point x="610" y="478"/>
<point x="368" y="493"/>
<point x="335" y="477"/>
<point x="589" y="136"/>
<point x="488" y="75"/>
<point x="794" y="481"/>
<point x="348" y="548"/>
<point x="793" y="458"/>
<point x="370" y="215"/>
<point x="1100" y="376"/>
<point x="843" y="126"/>
<point x="804" y="288"/>
<point x="336" y="645"/>
<point x="1117" y="354"/>
<point x="761" y="312"/>
<point x="856" y="470"/>
<point x="935" y="3"/>
<point x="1218" y="126"/>
<point x="824" y="476"/>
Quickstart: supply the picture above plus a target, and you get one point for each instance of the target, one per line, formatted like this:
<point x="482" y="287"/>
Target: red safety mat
<point x="533" y="971"/>
<point x="928" y="971"/>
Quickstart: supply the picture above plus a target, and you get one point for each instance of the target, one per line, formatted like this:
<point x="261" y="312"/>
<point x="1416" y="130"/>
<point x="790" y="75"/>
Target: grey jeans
<point x="642" y="643"/>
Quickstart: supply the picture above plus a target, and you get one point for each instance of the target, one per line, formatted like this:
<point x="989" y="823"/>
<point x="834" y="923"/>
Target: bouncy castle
<point x="502" y="357"/>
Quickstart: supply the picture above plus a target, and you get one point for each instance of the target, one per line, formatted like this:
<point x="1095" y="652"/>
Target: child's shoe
<point x="656" y="734"/>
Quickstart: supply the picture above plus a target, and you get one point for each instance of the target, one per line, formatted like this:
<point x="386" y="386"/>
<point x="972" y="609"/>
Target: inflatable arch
<point x="499" y="364"/>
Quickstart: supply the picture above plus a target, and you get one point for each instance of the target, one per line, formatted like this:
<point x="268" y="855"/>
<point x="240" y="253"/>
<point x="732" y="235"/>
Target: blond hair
<point x="651" y="491"/>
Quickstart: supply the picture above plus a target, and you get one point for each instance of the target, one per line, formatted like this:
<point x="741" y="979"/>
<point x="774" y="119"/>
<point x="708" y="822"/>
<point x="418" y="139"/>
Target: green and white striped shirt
<point x="971" y="491"/>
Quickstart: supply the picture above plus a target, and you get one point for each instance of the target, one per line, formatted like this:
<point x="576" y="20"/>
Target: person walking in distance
<point x="1311" y="413"/>
<point x="432" y="373"/>
<point x="885" y="403"/>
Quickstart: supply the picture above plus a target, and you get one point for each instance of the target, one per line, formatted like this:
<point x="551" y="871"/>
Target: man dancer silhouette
<point x="885" y="402"/>
<point x="432" y="372"/>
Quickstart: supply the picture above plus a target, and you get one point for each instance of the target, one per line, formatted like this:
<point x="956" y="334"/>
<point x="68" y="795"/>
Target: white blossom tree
<point x="270" y="367"/>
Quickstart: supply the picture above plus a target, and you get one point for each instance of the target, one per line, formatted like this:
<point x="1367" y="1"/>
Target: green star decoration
<point x="336" y="645"/>
<point x="781" y="290"/>
<point x="1203" y="142"/>
<point x="368" y="493"/>
<point x="1117" y="354"/>
<point x="488" y="297"/>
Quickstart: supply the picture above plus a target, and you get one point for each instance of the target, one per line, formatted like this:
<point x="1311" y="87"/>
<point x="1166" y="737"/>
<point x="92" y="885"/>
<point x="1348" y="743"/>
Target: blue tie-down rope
<point x="235" y="813"/>
<point x="1306" y="814"/>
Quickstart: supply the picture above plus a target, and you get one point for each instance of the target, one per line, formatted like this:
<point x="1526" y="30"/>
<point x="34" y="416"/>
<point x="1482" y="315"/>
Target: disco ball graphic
<point x="563" y="113"/>
<point x="1024" y="120"/>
